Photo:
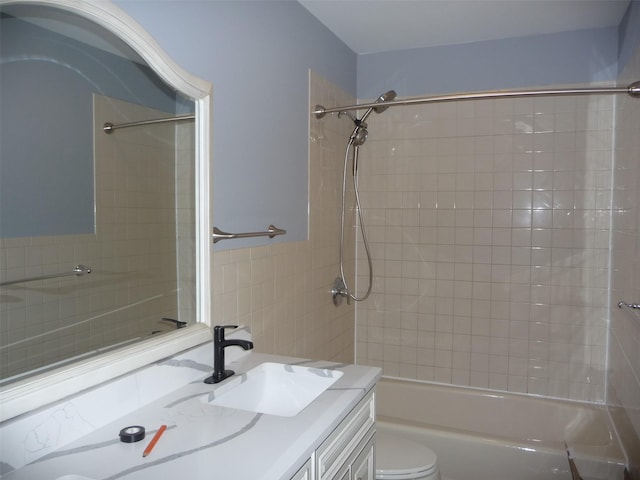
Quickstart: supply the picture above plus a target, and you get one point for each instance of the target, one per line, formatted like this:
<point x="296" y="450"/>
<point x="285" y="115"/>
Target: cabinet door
<point x="345" y="475"/>
<point x="363" y="467"/>
<point x="304" y="473"/>
<point x="344" y="441"/>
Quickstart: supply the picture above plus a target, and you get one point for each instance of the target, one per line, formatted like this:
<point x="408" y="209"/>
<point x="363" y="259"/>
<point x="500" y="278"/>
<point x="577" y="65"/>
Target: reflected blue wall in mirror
<point x="46" y="142"/>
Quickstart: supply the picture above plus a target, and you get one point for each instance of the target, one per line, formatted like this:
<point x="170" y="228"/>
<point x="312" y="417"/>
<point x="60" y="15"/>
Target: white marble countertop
<point x="203" y="441"/>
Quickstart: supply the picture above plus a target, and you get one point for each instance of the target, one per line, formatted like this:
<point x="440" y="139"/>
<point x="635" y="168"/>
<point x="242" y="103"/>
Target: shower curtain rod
<point x="109" y="127"/>
<point x="633" y="89"/>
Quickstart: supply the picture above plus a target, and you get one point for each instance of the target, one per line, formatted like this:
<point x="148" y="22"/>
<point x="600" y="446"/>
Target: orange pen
<point x="154" y="440"/>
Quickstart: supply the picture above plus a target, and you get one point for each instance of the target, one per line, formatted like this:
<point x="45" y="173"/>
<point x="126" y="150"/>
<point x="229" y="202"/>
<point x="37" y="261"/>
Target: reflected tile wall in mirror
<point x="134" y="256"/>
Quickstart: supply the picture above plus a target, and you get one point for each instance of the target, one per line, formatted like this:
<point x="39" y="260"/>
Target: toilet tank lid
<point x="396" y="454"/>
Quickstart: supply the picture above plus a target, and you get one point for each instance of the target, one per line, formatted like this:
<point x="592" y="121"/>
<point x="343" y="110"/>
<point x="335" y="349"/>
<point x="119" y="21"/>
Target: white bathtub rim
<point x="579" y="452"/>
<point x="495" y="393"/>
<point x="586" y="463"/>
<point x="609" y="449"/>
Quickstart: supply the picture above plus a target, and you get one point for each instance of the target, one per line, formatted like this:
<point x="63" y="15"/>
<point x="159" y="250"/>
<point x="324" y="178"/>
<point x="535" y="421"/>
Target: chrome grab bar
<point x="109" y="127"/>
<point x="634" y="306"/>
<point x="271" y="232"/>
<point x="78" y="271"/>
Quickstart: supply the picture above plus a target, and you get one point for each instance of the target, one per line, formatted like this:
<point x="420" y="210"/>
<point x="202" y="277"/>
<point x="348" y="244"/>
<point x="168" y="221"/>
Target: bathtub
<point x="486" y="435"/>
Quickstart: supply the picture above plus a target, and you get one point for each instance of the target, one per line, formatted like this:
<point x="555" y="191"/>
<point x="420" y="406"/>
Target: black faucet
<point x="219" y="344"/>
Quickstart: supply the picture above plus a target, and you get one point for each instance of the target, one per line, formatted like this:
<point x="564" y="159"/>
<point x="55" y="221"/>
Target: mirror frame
<point x="43" y="389"/>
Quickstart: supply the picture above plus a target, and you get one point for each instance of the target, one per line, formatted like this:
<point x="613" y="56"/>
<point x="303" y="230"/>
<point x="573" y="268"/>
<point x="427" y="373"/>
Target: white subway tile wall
<point x="489" y="226"/>
<point x="283" y="292"/>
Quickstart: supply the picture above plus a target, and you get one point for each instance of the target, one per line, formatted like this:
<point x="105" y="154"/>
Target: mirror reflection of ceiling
<point x="105" y="61"/>
<point x="52" y="63"/>
<point x="72" y="26"/>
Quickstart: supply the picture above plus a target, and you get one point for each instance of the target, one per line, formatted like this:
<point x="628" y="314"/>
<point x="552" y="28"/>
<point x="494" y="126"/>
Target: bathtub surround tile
<point x="623" y="376"/>
<point x="512" y="235"/>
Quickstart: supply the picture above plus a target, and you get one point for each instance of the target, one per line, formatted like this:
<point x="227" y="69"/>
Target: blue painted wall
<point x="47" y="83"/>
<point x="257" y="55"/>
<point x="629" y="34"/>
<point x="570" y="57"/>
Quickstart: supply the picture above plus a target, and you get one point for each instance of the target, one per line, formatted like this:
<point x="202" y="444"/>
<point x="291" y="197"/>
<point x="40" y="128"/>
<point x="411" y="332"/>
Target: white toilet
<point x="400" y="458"/>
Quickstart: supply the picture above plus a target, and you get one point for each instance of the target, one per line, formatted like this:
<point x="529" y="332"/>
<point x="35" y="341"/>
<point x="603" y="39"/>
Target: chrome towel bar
<point x="271" y="232"/>
<point x="78" y="271"/>
<point x="634" y="306"/>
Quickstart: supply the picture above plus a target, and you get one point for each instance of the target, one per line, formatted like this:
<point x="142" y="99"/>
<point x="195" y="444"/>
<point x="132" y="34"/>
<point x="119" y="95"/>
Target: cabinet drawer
<point x="335" y="450"/>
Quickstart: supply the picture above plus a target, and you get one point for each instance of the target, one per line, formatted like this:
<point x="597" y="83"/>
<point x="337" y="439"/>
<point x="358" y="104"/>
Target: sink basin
<point x="274" y="389"/>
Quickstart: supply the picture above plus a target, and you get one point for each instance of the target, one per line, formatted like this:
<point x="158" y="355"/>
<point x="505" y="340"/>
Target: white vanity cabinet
<point x="364" y="467"/>
<point x="305" y="473"/>
<point x="360" y="466"/>
<point x="349" y="452"/>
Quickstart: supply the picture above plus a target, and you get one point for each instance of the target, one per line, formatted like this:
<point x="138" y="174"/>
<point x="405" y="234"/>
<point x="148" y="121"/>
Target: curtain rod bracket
<point x="319" y="111"/>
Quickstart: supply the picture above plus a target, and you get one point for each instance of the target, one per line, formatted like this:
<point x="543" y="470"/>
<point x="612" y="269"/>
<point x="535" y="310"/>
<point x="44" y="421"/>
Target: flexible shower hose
<point x="347" y="291"/>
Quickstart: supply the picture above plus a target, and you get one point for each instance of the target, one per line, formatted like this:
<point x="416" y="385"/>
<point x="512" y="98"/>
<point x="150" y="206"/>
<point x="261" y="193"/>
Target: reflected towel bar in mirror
<point x="78" y="271"/>
<point x="271" y="232"/>
<point x="633" y="306"/>
<point x="109" y="127"/>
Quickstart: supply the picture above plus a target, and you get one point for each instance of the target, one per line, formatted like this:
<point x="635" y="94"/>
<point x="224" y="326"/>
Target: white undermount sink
<point x="274" y="389"/>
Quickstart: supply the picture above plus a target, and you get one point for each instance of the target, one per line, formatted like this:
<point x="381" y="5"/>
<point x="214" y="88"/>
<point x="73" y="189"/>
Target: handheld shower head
<point x="385" y="97"/>
<point x="360" y="133"/>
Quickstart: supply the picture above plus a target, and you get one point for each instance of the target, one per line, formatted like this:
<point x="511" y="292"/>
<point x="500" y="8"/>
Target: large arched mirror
<point x="104" y="203"/>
